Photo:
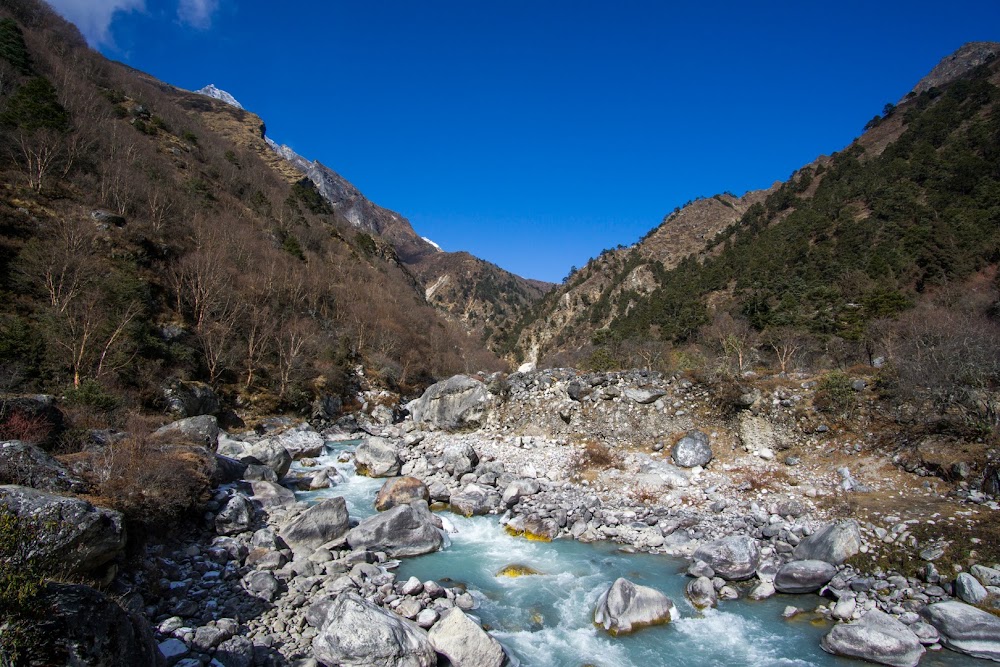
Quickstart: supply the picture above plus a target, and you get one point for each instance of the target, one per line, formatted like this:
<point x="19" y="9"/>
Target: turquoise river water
<point x="546" y="620"/>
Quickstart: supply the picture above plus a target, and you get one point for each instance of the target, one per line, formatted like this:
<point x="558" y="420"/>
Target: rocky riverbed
<point x="755" y="501"/>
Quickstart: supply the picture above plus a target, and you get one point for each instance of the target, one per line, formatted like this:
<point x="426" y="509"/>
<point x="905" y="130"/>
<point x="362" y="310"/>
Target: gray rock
<point x="25" y="464"/>
<point x="519" y="488"/>
<point x="404" y="530"/>
<point x="834" y="543"/>
<point x="84" y="539"/>
<point x="190" y="399"/>
<point x="236" y="516"/>
<point x="877" y="637"/>
<point x="460" y="458"/>
<point x="987" y="576"/>
<point x="376" y="457"/>
<point x="626" y="607"/>
<point x="692" y="450"/>
<point x="325" y="521"/>
<point x="458" y="402"/>
<point x="968" y="589"/>
<point x="701" y="593"/>
<point x="733" y="558"/>
<point x="644" y="396"/>
<point x="355" y="632"/>
<point x="200" y="430"/>
<point x="464" y="642"/>
<point x="427" y="618"/>
<point x="89" y="628"/>
<point x="473" y="500"/>
<point x="401" y="491"/>
<point x="235" y="652"/>
<point x="803" y="576"/>
<point x="300" y="441"/>
<point x="262" y="584"/>
<point x="271" y="495"/>
<point x="965" y="629"/>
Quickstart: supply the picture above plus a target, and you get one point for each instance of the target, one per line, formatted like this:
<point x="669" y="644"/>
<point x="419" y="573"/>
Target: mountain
<point x="484" y="298"/>
<point x="211" y="91"/>
<point x="868" y="235"/>
<point x="151" y="235"/>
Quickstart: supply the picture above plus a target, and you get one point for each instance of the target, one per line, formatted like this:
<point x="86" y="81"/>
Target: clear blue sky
<point x="536" y="133"/>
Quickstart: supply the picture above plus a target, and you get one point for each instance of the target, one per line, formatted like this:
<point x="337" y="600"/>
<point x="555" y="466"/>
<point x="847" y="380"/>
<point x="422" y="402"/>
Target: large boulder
<point x="460" y="458"/>
<point x="701" y="593"/>
<point x="644" y="396"/>
<point x="355" y="632"/>
<point x="458" y="402"/>
<point x="271" y="495"/>
<point x="626" y="607"/>
<point x="965" y="629"/>
<point x="301" y="440"/>
<point x="465" y="644"/>
<point x="268" y="451"/>
<point x="473" y="500"/>
<point x="190" y="399"/>
<point x="35" y="419"/>
<point x="834" y="543"/>
<point x="968" y="589"/>
<point x="236" y="516"/>
<point x="401" y="491"/>
<point x="803" y="576"/>
<point x="877" y="637"/>
<point x="86" y="627"/>
<point x="325" y="521"/>
<point x="405" y="530"/>
<point x="692" y="450"/>
<point x="84" y="539"/>
<point x="733" y="558"/>
<point x="201" y="430"/>
<point x="377" y="457"/>
<point x="25" y="464"/>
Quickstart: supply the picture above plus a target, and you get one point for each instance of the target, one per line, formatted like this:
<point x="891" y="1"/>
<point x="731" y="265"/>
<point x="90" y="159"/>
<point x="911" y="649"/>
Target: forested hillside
<point x="138" y="246"/>
<point x="906" y="217"/>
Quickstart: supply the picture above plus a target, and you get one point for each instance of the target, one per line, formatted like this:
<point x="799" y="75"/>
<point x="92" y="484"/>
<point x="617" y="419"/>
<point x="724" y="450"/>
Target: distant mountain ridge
<point x="484" y="297"/>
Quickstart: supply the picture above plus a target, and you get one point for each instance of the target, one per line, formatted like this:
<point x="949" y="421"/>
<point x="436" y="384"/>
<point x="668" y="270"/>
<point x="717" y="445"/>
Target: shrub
<point x="22" y="575"/>
<point x="32" y="429"/>
<point x="834" y="393"/>
<point x="91" y="394"/>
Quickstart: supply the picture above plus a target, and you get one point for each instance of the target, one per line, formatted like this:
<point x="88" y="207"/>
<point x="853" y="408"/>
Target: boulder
<point x="270" y="494"/>
<point x="460" y="458"/>
<point x="355" y="632"/>
<point x="86" y="627"/>
<point x="518" y="488"/>
<point x="235" y="652"/>
<point x="376" y="457"/>
<point x="325" y="521"/>
<point x="82" y="538"/>
<point x="834" y="543"/>
<point x="987" y="576"/>
<point x="465" y="644"/>
<point x="301" y="440"/>
<point x="35" y="419"/>
<point x="803" y="576"/>
<point x="701" y="593"/>
<point x="404" y="530"/>
<point x="733" y="558"/>
<point x="190" y="399"/>
<point x="458" y="402"/>
<point x="473" y="500"/>
<point x="25" y="464"/>
<point x="644" y="396"/>
<point x="626" y="607"/>
<point x="965" y="629"/>
<point x="692" y="450"/>
<point x="968" y="589"/>
<point x="228" y="470"/>
<point x="270" y="452"/>
<point x="401" y="491"/>
<point x="236" y="516"/>
<point x="201" y="430"/>
<point x="877" y="637"/>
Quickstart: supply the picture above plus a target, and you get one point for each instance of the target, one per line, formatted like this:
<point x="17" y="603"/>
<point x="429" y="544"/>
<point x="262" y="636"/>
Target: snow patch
<point x="217" y="93"/>
<point x="436" y="246"/>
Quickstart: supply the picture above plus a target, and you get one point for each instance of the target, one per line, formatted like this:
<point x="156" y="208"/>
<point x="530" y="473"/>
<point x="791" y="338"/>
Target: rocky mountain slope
<point x="486" y="299"/>
<point x="847" y="240"/>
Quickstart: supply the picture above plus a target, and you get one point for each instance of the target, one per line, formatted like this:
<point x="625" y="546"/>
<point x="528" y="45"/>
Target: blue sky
<point x="536" y="134"/>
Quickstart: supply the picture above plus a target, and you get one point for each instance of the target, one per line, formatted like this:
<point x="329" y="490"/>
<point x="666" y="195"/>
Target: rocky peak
<point x="217" y="93"/>
<point x="965" y="59"/>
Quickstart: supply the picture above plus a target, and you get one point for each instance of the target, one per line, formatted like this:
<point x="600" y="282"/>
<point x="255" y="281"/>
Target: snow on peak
<point x="211" y="91"/>
<point x="436" y="246"/>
